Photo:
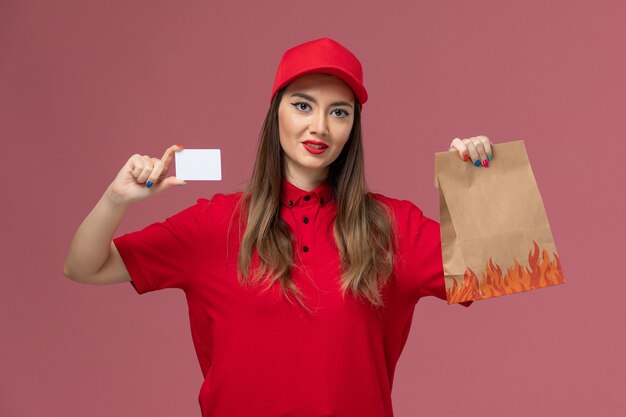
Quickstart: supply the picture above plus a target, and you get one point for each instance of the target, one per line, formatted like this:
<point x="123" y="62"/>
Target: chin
<point x="314" y="167"/>
<point x="318" y="166"/>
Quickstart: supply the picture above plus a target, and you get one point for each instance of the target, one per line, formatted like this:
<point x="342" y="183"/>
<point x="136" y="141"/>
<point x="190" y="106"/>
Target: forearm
<point x="91" y="245"/>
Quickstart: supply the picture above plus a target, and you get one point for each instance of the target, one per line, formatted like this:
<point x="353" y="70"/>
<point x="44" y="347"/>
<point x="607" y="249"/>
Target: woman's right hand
<point x="142" y="177"/>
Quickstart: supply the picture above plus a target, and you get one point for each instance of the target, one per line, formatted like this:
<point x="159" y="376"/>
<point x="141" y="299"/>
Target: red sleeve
<point x="424" y="240"/>
<point x="164" y="254"/>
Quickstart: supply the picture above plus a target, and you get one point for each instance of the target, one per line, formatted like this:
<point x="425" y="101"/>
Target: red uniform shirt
<point x="264" y="357"/>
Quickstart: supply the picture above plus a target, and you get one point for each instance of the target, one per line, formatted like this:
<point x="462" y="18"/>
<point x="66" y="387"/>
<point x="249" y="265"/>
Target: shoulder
<point x="220" y="205"/>
<point x="402" y="209"/>
<point x="220" y="200"/>
<point x="409" y="218"/>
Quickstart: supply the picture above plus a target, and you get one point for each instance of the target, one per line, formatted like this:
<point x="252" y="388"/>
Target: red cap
<point x="321" y="55"/>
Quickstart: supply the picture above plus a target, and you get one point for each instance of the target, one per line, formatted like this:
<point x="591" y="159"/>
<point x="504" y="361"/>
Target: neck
<point x="306" y="180"/>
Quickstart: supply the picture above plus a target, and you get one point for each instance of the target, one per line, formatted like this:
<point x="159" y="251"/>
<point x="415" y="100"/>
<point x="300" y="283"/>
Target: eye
<point x="346" y="114"/>
<point x="298" y="105"/>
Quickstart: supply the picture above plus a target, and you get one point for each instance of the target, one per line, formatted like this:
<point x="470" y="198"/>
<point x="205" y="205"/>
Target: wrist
<point x="114" y="200"/>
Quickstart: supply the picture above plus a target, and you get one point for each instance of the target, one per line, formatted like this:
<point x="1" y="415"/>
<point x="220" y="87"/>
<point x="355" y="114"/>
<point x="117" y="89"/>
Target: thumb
<point x="169" y="182"/>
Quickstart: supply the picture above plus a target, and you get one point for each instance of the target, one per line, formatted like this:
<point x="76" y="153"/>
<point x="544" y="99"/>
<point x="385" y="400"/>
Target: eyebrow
<point x="308" y="97"/>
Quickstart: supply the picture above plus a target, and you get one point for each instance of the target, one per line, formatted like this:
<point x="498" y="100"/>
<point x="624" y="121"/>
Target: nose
<point x="319" y="123"/>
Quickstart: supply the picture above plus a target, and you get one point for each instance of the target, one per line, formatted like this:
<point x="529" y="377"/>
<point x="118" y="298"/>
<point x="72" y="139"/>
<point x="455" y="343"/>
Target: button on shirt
<point x="260" y="354"/>
<point x="305" y="212"/>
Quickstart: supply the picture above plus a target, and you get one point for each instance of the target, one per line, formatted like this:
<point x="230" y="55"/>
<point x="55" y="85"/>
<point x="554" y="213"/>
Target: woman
<point x="301" y="289"/>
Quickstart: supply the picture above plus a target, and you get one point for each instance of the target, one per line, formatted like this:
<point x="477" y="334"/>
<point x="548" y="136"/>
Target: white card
<point x="198" y="164"/>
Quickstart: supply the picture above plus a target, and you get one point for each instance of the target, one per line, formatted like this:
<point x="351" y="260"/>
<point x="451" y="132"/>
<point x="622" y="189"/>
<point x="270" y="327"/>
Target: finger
<point x="147" y="169"/>
<point x="458" y="145"/>
<point x="155" y="175"/>
<point x="473" y="153"/>
<point x="169" y="154"/>
<point x="136" y="165"/>
<point x="487" y="145"/>
<point x="480" y="148"/>
<point x="486" y="142"/>
<point x="168" y="183"/>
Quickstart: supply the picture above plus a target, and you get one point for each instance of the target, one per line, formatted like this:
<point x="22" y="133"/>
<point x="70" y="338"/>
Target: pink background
<point x="85" y="84"/>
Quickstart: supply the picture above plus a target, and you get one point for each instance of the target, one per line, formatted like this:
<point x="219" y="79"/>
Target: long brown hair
<point x="363" y="229"/>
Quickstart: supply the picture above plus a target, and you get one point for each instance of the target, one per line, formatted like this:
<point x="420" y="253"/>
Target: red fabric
<point x="262" y="356"/>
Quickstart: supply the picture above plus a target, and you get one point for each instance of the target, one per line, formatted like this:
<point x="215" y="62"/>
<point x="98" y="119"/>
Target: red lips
<point x="314" y="150"/>
<point x="315" y="142"/>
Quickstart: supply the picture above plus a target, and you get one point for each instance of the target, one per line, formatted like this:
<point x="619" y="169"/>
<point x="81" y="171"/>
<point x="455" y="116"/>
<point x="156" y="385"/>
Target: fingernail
<point x="180" y="146"/>
<point x="477" y="163"/>
<point x="465" y="157"/>
<point x="489" y="157"/>
<point x="485" y="163"/>
<point x="149" y="184"/>
<point x="184" y="183"/>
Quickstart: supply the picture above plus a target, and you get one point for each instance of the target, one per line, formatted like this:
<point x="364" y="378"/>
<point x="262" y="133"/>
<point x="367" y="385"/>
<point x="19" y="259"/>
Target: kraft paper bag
<point x="495" y="236"/>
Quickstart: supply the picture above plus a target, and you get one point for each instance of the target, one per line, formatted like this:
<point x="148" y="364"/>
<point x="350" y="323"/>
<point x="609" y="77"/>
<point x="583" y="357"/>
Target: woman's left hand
<point x="476" y="148"/>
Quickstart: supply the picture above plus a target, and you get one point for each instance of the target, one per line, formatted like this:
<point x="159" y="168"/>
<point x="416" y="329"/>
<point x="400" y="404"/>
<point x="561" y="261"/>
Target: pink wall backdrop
<point x="86" y="84"/>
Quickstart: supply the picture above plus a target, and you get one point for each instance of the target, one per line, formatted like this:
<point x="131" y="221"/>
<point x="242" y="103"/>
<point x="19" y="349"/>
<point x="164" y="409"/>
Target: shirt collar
<point x="291" y="195"/>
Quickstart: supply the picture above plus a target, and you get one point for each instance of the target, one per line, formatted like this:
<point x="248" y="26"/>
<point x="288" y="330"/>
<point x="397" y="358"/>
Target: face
<point x="315" y="117"/>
